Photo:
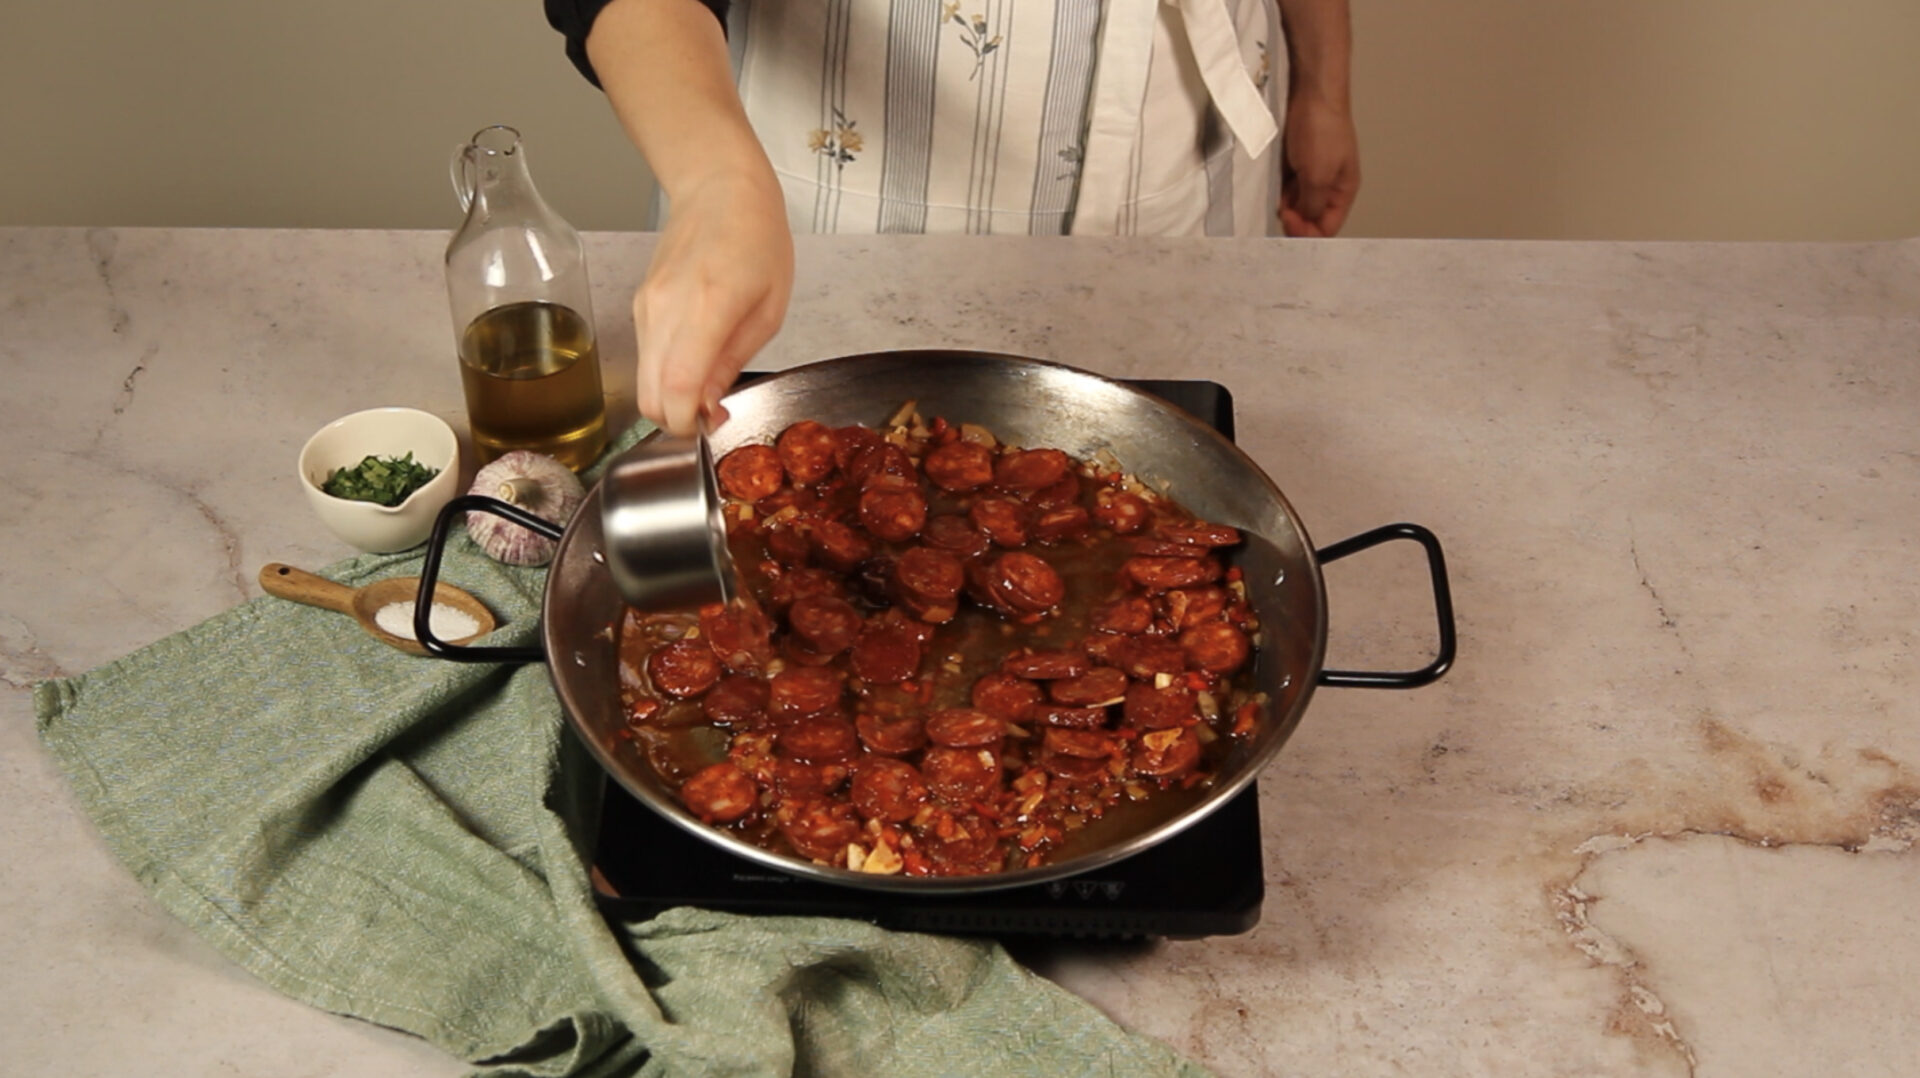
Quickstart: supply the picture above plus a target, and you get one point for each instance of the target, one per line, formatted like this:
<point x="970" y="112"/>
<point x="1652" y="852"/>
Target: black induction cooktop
<point x="1208" y="880"/>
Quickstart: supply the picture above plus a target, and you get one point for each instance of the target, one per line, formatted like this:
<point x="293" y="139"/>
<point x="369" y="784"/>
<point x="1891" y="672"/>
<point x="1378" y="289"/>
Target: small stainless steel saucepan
<point x="1023" y="402"/>
<point x="663" y="535"/>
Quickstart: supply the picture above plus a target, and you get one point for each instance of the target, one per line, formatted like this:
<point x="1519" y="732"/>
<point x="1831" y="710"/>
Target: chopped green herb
<point x="384" y="481"/>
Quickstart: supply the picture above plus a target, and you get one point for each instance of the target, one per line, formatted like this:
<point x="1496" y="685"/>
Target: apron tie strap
<point x="1216" y="49"/>
<point x="1119" y="95"/>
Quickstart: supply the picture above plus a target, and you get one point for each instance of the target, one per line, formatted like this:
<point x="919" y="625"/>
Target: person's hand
<point x="1319" y="167"/>
<point x="716" y="291"/>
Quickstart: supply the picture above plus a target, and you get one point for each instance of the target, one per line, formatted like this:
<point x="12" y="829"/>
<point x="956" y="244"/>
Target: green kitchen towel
<point x="403" y="840"/>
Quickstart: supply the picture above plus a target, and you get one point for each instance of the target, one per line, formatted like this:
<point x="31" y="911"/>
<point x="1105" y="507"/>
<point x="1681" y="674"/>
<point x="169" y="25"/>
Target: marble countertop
<point x="1658" y="820"/>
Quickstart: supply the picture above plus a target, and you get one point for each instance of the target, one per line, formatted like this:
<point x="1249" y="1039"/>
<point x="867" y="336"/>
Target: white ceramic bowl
<point x="381" y="432"/>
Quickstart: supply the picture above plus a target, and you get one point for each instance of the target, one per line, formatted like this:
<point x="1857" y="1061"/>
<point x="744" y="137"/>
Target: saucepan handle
<point x="1442" y="605"/>
<point x="457" y="509"/>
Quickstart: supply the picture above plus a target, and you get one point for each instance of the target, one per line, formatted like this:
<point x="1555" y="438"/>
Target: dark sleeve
<point x="574" y="18"/>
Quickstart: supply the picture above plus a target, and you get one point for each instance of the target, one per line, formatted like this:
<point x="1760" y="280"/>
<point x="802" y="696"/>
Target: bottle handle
<point x="460" y="171"/>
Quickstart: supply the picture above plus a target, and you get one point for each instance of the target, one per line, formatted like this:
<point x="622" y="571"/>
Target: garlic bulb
<point x="536" y="483"/>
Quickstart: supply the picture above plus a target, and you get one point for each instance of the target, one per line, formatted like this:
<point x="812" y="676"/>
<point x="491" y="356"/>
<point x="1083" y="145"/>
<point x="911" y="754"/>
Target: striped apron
<point x="1031" y="117"/>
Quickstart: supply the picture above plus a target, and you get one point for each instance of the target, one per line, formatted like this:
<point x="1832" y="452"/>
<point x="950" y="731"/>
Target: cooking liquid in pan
<point x="678" y="741"/>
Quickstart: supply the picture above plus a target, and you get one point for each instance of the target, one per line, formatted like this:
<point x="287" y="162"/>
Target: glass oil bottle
<point x="517" y="284"/>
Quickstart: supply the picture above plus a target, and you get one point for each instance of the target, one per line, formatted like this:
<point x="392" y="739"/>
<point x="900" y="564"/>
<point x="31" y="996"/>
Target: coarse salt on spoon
<point x="460" y="612"/>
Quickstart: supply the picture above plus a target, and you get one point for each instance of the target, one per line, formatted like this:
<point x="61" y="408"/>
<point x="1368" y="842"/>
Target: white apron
<point x="1041" y="117"/>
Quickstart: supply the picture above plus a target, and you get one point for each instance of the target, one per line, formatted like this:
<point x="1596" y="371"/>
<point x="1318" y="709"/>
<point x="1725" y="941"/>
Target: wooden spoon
<point x="364" y="604"/>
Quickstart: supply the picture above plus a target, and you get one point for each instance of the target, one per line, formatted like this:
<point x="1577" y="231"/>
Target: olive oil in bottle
<point x="532" y="380"/>
<point x="522" y="311"/>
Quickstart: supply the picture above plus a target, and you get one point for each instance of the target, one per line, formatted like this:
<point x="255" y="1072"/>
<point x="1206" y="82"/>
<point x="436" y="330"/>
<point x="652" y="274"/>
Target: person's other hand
<point x="1319" y="167"/>
<point x="716" y="291"/>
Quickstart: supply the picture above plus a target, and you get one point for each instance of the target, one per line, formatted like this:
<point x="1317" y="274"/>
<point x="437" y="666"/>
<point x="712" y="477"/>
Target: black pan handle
<point x="430" y="575"/>
<point x="1442" y="605"/>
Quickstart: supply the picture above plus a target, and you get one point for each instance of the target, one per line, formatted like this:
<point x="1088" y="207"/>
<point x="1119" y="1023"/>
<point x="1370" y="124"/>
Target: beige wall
<point x="1683" y="119"/>
<point x="334" y="113"/>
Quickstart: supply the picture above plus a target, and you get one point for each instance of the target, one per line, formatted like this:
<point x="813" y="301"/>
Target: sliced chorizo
<point x="1198" y="534"/>
<point x="677" y="715"/>
<point x="806" y="451"/>
<point x="886" y="652"/>
<point x="890" y="737"/>
<point x="1045" y="665"/>
<point x="1152" y="708"/>
<point x="956" y="535"/>
<point x="959" y="466"/>
<point x="739" y="634"/>
<point x="1005" y="521"/>
<point x="961" y="776"/>
<point x="856" y="568"/>
<point x="801" y="691"/>
<point x="1025" y="582"/>
<point x="1108" y="649"/>
<point x="818" y="830"/>
<point x="1147" y="656"/>
<point x="684" y="668"/>
<point x="777" y="503"/>
<point x="1123" y="512"/>
<point x="922" y="632"/>
<point x="791" y="585"/>
<point x="1156" y="575"/>
<point x="799" y="654"/>
<point x="837" y="546"/>
<point x="1058" y="495"/>
<point x="827" y="625"/>
<point x="789" y="545"/>
<point x="1030" y="469"/>
<point x="1216" y="647"/>
<point x="750" y="472"/>
<point x="1067" y="522"/>
<point x="1086" y="744"/>
<point x="792" y="780"/>
<point x="1005" y="697"/>
<point x="894" y="701"/>
<point x="1099" y="686"/>
<point x="1166" y="754"/>
<point x="893" y="514"/>
<point x="1128" y="614"/>
<point x="1076" y="770"/>
<point x="1148" y="547"/>
<point x="823" y="739"/>
<point x="933" y="612"/>
<point x="736" y="700"/>
<point x="887" y="790"/>
<point x="1072" y="718"/>
<point x="851" y="439"/>
<point x="881" y="464"/>
<point x="929" y="574"/>
<point x="838" y="499"/>
<point x="721" y="793"/>
<point x="1188" y="607"/>
<point x="964" y="728"/>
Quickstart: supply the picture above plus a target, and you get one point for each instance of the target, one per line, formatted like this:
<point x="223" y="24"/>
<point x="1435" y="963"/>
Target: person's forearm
<point x="722" y="271"/>
<point x="1319" y="48"/>
<point x="663" y="65"/>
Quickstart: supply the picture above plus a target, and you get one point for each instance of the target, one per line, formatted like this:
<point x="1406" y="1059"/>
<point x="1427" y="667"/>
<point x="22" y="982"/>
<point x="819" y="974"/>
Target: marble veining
<point x="1659" y="820"/>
